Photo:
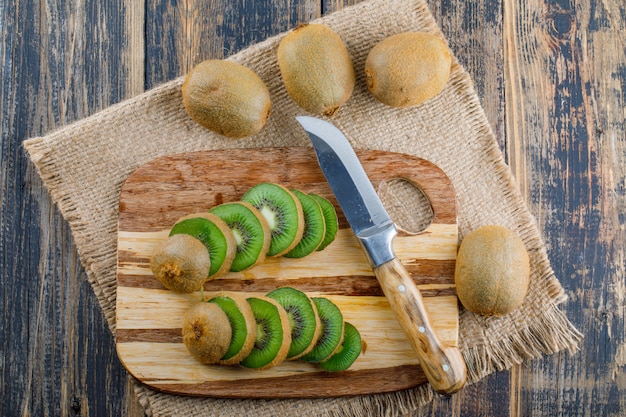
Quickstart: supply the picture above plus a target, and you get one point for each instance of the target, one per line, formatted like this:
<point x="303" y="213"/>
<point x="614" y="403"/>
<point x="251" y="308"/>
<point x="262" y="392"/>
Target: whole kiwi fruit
<point x="316" y="68"/>
<point x="408" y="68"/>
<point x="492" y="271"/>
<point x="227" y="98"/>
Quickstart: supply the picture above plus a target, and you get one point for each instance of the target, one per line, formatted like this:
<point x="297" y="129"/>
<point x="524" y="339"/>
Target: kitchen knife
<point x="443" y="365"/>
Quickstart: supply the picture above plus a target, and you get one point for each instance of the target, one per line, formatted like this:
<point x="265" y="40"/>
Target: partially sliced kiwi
<point x="181" y="263"/>
<point x="206" y="332"/>
<point x="314" y="227"/>
<point x="348" y="352"/>
<point x="243" y="325"/>
<point x="332" y="331"/>
<point x="216" y="236"/>
<point x="330" y="218"/>
<point x="251" y="232"/>
<point x="283" y="212"/>
<point x="303" y="320"/>
<point x="273" y="334"/>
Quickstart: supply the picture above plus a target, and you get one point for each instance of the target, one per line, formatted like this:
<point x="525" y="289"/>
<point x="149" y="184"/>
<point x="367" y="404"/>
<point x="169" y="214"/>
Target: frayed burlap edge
<point x="89" y="216"/>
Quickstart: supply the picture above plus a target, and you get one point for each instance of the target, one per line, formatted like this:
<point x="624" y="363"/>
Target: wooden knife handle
<point x="444" y="366"/>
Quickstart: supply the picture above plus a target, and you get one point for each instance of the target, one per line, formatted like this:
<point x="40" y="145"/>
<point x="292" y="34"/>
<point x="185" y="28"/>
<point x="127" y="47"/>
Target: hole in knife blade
<point x="406" y="204"/>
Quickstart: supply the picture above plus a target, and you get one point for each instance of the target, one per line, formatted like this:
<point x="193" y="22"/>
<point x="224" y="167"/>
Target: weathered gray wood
<point x="182" y="35"/>
<point x="60" y="62"/>
<point x="566" y="135"/>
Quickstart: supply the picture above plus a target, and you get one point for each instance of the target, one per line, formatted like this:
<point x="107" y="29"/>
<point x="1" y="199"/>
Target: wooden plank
<point x="180" y="35"/>
<point x="565" y="95"/>
<point x="60" y="62"/>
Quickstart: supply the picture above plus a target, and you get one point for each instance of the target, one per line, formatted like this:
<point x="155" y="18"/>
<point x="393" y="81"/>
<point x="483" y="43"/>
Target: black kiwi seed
<point x="303" y="319"/>
<point x="330" y="217"/>
<point x="242" y="323"/>
<point x="348" y="353"/>
<point x="332" y="331"/>
<point x="283" y="212"/>
<point x="215" y="234"/>
<point x="314" y="227"/>
<point x="273" y="334"/>
<point x="251" y="232"/>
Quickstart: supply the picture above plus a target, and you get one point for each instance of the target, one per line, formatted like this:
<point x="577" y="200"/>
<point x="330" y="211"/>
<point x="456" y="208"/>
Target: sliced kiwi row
<point x="299" y="223"/>
<point x="270" y="220"/>
<point x="262" y="331"/>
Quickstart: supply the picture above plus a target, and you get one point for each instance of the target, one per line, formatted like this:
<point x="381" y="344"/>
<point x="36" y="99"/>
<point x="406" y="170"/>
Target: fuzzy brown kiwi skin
<point x="181" y="263"/>
<point x="407" y="69"/>
<point x="316" y="68"/>
<point x="492" y="271"/>
<point x="227" y="98"/>
<point x="246" y="311"/>
<point x="206" y="332"/>
<point x="284" y="320"/>
<point x="231" y="243"/>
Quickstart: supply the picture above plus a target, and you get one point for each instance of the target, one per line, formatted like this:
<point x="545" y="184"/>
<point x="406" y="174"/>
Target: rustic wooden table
<point x="551" y="76"/>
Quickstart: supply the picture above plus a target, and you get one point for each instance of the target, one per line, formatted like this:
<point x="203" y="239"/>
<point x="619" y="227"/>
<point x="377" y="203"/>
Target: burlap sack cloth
<point x="85" y="164"/>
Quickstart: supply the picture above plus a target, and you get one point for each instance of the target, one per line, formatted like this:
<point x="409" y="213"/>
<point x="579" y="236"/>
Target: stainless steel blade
<point x="357" y="197"/>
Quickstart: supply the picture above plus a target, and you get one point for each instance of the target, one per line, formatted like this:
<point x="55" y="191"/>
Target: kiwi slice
<point x="216" y="236"/>
<point x="303" y="320"/>
<point x="242" y="323"/>
<point x="314" y="227"/>
<point x="273" y="335"/>
<point x="332" y="331"/>
<point x="251" y="232"/>
<point x="181" y="263"/>
<point x="330" y="219"/>
<point x="348" y="352"/>
<point x="206" y="332"/>
<point x="283" y="212"/>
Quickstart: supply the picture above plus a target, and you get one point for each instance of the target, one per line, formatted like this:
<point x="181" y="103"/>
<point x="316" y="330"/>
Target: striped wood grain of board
<point x="149" y="343"/>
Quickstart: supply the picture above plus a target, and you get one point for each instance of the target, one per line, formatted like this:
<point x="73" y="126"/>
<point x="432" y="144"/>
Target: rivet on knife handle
<point x="444" y="366"/>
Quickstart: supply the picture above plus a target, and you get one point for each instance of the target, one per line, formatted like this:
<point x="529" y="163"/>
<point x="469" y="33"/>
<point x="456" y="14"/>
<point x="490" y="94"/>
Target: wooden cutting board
<point x="149" y="317"/>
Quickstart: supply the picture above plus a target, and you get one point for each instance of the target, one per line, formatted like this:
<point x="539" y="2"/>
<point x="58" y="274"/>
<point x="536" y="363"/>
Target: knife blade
<point x="443" y="365"/>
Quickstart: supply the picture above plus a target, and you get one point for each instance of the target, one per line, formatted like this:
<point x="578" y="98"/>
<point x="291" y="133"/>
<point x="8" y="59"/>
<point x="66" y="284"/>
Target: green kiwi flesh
<point x="273" y="334"/>
<point x="181" y="263"/>
<point x="251" y="233"/>
<point x="330" y="220"/>
<point x="283" y="212"/>
<point x="303" y="320"/>
<point x="243" y="326"/>
<point x="314" y="227"/>
<point x="215" y="234"/>
<point x="348" y="352"/>
<point x="332" y="331"/>
<point x="206" y="332"/>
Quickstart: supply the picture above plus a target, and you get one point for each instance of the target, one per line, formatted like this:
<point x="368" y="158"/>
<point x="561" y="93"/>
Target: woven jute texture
<point x="85" y="164"/>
